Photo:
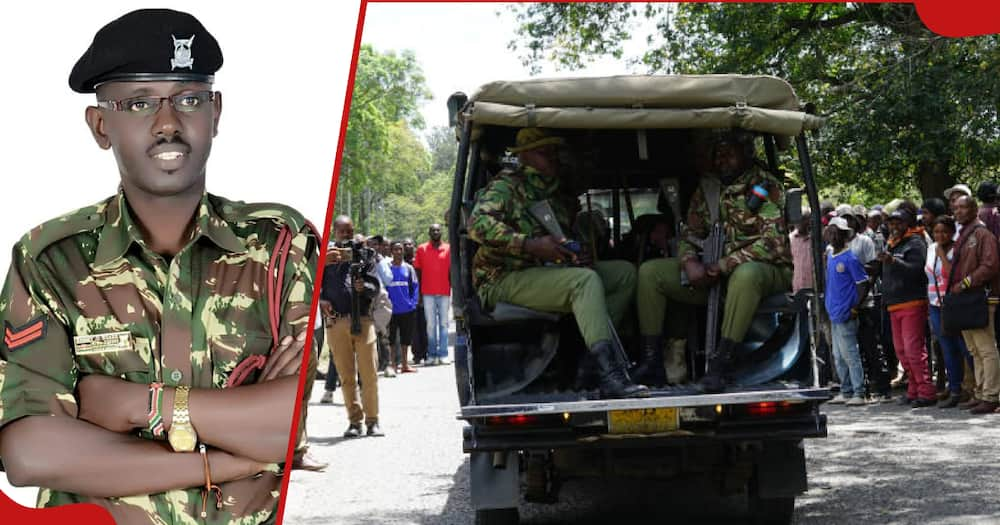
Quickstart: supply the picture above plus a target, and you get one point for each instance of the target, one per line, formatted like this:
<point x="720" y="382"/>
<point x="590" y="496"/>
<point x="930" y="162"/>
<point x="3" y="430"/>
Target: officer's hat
<point x="531" y="138"/>
<point x="148" y="45"/>
<point x="734" y="136"/>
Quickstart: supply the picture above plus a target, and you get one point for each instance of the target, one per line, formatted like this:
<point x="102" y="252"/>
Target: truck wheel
<point x="771" y="511"/>
<point x="507" y="516"/>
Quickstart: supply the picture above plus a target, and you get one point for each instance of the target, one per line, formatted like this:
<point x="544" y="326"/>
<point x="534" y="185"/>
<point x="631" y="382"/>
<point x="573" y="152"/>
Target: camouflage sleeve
<point x="38" y="375"/>
<point x="486" y="222"/>
<point x="772" y="245"/>
<point x="696" y="226"/>
<point x="300" y="272"/>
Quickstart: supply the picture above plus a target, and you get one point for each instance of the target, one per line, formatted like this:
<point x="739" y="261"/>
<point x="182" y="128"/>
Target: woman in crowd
<point x="939" y="258"/>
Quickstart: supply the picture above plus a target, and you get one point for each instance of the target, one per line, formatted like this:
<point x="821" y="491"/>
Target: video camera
<point x="362" y="261"/>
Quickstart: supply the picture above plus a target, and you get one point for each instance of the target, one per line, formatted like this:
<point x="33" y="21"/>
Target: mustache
<point x="171" y="140"/>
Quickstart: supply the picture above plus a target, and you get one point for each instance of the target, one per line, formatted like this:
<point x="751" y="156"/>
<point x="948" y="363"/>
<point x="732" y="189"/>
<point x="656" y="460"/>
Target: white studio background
<point x="283" y="82"/>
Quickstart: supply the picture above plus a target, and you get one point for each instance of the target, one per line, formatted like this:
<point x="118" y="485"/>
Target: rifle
<point x="670" y="187"/>
<point x="542" y="212"/>
<point x="713" y="249"/>
<point x="715" y="245"/>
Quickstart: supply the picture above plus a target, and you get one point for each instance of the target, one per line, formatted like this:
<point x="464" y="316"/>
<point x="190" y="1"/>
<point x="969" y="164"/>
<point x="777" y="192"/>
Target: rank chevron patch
<point x="22" y="336"/>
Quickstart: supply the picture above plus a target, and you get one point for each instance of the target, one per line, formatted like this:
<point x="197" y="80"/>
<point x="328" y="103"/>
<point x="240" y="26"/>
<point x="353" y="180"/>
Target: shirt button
<point x="176" y="375"/>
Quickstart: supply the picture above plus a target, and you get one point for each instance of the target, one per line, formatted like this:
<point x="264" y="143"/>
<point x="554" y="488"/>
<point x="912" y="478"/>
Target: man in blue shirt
<point x="846" y="285"/>
<point x="404" y="292"/>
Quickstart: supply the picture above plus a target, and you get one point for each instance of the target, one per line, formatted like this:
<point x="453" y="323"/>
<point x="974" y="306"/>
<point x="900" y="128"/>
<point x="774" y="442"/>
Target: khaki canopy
<point x="759" y="103"/>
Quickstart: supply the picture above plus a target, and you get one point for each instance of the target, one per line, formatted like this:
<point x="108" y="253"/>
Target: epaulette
<point x="239" y="211"/>
<point x="88" y="218"/>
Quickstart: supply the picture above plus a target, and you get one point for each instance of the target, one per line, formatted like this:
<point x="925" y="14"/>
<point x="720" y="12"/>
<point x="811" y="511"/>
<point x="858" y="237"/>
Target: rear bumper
<point x="482" y="438"/>
<point x="815" y="395"/>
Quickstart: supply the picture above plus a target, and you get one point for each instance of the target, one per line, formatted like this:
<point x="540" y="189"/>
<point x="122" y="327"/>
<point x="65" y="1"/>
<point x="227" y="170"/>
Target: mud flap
<point x="494" y="479"/>
<point x="781" y="470"/>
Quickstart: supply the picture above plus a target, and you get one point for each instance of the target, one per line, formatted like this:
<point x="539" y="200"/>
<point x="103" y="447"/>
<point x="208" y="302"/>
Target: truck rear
<point x="534" y="418"/>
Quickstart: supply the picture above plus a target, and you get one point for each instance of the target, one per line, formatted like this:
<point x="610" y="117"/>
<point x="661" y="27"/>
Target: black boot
<point x="718" y="366"/>
<point x="649" y="370"/>
<point x="586" y="375"/>
<point x="613" y="371"/>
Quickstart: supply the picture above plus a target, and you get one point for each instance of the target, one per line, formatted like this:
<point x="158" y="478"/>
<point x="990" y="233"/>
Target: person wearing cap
<point x="977" y="268"/>
<point x="874" y="229"/>
<point x="952" y="195"/>
<point x="521" y="262"/>
<point x="846" y="287"/>
<point x="904" y="295"/>
<point x="756" y="259"/>
<point x="862" y="246"/>
<point x="140" y="329"/>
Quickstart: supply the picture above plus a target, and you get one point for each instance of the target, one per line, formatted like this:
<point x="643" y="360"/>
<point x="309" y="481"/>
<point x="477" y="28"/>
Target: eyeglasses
<point x="146" y="106"/>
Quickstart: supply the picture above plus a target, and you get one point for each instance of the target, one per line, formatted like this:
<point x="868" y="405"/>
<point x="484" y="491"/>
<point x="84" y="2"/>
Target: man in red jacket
<point x="977" y="265"/>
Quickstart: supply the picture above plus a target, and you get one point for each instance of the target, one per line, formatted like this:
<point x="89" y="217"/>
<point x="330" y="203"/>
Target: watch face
<point x="182" y="438"/>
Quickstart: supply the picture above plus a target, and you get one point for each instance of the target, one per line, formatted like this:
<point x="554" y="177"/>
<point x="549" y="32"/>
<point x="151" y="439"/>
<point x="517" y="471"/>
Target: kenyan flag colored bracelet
<point x="155" y="407"/>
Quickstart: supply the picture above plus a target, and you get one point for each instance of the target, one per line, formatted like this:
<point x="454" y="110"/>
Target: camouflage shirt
<point x="760" y="236"/>
<point x="188" y="321"/>
<point x="500" y="221"/>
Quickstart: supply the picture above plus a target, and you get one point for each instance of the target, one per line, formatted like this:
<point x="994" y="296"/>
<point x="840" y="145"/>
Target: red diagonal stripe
<point x="25" y="333"/>
<point x="23" y="337"/>
<point x="11" y="344"/>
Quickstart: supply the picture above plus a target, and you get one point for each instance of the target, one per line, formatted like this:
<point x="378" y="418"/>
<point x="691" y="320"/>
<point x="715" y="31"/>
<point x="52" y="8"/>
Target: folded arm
<point x="66" y="454"/>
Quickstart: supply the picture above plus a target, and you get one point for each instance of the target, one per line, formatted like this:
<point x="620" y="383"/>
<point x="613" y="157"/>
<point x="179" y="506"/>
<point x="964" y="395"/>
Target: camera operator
<point x="349" y="276"/>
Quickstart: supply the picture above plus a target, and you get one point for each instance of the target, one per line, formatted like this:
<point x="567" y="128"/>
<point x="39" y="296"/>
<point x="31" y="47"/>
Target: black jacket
<point x="904" y="280"/>
<point x="337" y="289"/>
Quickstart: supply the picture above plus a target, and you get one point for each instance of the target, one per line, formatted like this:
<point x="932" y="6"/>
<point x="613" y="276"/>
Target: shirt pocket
<point x="132" y="363"/>
<point x="229" y="350"/>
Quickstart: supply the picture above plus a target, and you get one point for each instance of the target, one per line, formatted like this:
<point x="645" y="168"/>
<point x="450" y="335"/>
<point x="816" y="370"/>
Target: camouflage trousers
<point x="593" y="295"/>
<point x="660" y="292"/>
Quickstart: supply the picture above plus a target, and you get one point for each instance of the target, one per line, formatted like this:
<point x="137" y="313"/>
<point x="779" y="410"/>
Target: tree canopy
<point x="382" y="154"/>
<point x="906" y="108"/>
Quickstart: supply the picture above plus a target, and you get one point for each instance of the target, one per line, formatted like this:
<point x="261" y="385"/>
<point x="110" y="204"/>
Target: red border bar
<point x="317" y="287"/>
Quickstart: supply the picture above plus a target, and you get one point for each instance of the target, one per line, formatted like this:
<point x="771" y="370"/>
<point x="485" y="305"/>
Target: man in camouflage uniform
<point x="757" y="260"/>
<point x="160" y="284"/>
<point x="519" y="262"/>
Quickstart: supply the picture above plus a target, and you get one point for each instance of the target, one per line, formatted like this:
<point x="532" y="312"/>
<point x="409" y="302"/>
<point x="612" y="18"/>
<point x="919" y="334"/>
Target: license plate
<point x="643" y="420"/>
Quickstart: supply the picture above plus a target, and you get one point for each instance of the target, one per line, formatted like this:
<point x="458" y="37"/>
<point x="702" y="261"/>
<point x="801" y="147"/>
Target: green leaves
<point x="906" y="109"/>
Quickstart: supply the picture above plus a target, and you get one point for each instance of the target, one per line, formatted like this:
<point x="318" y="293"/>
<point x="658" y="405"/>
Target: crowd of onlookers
<point x="910" y="292"/>
<point x="404" y="299"/>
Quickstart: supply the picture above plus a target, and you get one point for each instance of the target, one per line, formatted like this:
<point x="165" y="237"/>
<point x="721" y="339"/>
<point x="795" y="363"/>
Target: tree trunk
<point x="933" y="177"/>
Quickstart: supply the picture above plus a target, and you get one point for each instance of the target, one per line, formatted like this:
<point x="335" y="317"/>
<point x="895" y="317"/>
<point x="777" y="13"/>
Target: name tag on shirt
<point x="102" y="343"/>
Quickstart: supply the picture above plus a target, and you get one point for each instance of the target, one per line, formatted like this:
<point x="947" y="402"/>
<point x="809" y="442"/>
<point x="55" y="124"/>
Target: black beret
<point x="148" y="45"/>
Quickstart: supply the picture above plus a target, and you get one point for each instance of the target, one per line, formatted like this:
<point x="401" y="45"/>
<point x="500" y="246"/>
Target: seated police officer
<point x="755" y="262"/>
<point x="519" y="262"/>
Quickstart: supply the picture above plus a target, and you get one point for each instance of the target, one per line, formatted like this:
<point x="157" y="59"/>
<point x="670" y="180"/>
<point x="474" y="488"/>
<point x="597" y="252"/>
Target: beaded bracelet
<point x="209" y="486"/>
<point x="154" y="416"/>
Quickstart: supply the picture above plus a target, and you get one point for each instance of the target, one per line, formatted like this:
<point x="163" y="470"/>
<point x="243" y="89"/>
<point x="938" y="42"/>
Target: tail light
<point x="517" y="420"/>
<point x="774" y="408"/>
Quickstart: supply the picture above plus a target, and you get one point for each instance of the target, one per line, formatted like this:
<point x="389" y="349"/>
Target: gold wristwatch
<point x="182" y="436"/>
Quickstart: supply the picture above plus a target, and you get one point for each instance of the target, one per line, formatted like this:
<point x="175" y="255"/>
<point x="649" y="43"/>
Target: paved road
<point x="881" y="464"/>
